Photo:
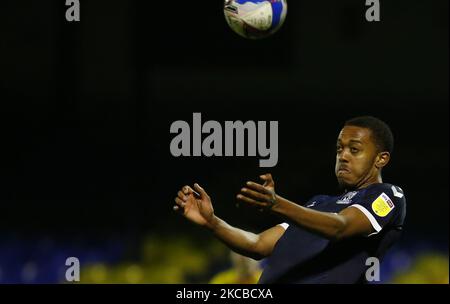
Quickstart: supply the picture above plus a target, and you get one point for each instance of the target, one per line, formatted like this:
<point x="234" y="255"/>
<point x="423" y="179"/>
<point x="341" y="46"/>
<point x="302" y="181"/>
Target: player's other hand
<point x="195" y="205"/>
<point x="259" y="195"/>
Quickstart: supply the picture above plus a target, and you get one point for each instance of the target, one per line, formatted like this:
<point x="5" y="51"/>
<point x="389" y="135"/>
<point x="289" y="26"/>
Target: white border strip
<point x="369" y="215"/>
<point x="284" y="225"/>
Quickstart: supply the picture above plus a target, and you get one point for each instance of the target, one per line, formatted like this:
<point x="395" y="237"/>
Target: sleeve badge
<point x="383" y="205"/>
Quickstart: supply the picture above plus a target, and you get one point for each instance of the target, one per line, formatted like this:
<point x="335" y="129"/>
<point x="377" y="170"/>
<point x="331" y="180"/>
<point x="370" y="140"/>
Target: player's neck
<point x="377" y="179"/>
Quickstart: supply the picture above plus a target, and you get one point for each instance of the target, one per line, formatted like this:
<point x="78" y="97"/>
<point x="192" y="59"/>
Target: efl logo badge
<point x="383" y="205"/>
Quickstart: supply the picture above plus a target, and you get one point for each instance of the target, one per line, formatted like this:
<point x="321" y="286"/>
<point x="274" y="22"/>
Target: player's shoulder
<point x="315" y="201"/>
<point x="394" y="192"/>
<point x="318" y="198"/>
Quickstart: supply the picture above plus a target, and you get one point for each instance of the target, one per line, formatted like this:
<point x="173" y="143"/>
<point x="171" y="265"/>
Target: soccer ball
<point x="255" y="19"/>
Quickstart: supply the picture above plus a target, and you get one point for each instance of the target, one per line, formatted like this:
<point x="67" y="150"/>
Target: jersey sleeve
<point x="381" y="206"/>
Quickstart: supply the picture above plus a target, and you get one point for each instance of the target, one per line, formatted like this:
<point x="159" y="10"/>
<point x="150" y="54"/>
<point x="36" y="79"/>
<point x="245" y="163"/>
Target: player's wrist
<point x="212" y="223"/>
<point x="278" y="205"/>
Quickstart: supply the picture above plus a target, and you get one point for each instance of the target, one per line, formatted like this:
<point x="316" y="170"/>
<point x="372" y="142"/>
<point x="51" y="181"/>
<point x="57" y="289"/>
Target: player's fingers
<point x="258" y="187"/>
<point x="180" y="202"/>
<point x="266" y="176"/>
<point x="249" y="201"/>
<point x="177" y="208"/>
<point x="255" y="195"/>
<point x="201" y="191"/>
<point x="268" y="180"/>
<point x="187" y="190"/>
<point x="182" y="196"/>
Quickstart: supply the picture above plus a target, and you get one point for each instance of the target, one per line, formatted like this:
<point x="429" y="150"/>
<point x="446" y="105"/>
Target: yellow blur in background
<point x="173" y="260"/>
<point x="243" y="271"/>
<point x="181" y="259"/>
<point x="430" y="268"/>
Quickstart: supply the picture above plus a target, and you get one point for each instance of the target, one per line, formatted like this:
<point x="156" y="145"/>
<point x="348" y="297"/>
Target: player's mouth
<point x="343" y="170"/>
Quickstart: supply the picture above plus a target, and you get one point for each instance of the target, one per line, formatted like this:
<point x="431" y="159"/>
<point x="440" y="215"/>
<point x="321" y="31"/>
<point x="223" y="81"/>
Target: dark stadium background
<point x="86" y="109"/>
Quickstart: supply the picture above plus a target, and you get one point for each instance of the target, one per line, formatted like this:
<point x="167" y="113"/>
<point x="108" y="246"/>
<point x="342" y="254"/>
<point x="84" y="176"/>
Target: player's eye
<point x="338" y="149"/>
<point x="354" y="150"/>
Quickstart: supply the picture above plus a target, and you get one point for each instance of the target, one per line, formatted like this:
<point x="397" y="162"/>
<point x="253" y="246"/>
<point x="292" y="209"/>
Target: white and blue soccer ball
<point x="255" y="19"/>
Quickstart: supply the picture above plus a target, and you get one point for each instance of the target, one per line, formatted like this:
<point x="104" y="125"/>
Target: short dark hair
<point x="381" y="132"/>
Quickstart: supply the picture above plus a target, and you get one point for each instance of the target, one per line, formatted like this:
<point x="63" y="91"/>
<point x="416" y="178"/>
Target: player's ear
<point x="382" y="159"/>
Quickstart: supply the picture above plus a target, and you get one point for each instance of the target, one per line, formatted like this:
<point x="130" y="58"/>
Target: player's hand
<point x="262" y="196"/>
<point x="195" y="205"/>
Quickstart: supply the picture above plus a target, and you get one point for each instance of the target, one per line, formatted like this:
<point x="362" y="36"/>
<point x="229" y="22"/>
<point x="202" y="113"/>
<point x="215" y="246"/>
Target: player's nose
<point x="343" y="157"/>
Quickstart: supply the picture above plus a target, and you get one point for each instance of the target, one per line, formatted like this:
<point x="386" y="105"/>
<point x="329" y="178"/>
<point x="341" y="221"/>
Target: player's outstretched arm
<point x="195" y="205"/>
<point x="348" y="223"/>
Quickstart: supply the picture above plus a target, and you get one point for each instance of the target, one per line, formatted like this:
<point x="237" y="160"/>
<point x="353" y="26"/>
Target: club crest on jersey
<point x="346" y="199"/>
<point x="383" y="205"/>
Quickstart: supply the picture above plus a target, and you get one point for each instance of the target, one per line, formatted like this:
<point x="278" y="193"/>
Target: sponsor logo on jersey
<point x="383" y="205"/>
<point x="347" y="198"/>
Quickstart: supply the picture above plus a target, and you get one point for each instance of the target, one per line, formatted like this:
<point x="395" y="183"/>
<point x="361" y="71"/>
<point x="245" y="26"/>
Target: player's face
<point x="355" y="157"/>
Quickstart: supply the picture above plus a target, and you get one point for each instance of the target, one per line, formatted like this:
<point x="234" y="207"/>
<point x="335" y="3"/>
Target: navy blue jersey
<point x="301" y="256"/>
